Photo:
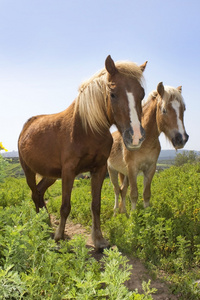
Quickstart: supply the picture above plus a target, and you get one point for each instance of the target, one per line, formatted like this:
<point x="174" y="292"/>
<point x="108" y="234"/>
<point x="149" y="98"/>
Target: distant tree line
<point x="187" y="157"/>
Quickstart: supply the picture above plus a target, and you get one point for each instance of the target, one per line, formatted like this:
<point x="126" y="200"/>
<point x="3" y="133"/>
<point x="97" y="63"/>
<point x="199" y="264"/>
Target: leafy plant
<point x="33" y="266"/>
<point x="165" y="235"/>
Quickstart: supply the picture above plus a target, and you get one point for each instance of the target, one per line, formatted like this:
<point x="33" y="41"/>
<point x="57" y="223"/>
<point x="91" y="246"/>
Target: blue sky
<point x="47" y="48"/>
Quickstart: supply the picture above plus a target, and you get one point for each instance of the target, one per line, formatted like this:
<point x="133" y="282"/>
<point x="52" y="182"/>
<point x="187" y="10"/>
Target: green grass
<point x="166" y="236"/>
<point x="33" y="266"/>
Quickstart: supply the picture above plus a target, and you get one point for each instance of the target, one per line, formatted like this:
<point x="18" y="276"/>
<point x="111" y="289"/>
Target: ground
<point x="139" y="272"/>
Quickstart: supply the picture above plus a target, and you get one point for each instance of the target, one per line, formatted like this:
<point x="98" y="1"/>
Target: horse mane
<point x="91" y="102"/>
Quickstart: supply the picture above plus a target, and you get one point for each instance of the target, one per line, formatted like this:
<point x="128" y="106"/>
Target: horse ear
<point x="110" y="66"/>
<point x="179" y="88"/>
<point x="143" y="67"/>
<point x="160" y="89"/>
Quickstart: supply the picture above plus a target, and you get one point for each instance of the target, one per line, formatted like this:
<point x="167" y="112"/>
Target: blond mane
<point x="91" y="103"/>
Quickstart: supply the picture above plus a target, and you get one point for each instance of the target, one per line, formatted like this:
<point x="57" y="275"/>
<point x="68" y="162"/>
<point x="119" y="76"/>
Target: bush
<point x="186" y="157"/>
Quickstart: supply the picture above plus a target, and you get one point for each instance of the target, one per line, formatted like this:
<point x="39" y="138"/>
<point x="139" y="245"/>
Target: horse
<point x="162" y="112"/>
<point x="78" y="139"/>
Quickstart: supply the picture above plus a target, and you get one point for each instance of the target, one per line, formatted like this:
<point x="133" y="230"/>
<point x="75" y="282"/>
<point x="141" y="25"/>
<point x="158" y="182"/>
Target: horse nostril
<point x="128" y="134"/>
<point x="186" y="137"/>
<point x="178" y="138"/>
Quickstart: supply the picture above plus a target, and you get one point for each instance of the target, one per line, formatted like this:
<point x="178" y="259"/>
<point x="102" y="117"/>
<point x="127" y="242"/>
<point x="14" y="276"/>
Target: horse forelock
<point x="130" y="69"/>
<point x="172" y="93"/>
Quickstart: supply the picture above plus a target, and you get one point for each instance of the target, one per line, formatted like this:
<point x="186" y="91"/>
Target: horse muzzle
<point x="133" y="140"/>
<point x="180" y="140"/>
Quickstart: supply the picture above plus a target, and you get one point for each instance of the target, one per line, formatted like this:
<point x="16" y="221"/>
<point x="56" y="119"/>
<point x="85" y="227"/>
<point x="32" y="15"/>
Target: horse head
<point x="170" y="114"/>
<point x="125" y="96"/>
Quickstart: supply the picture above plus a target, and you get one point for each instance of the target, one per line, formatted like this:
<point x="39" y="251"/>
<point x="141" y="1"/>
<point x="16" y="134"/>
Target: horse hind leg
<point x="42" y="186"/>
<point x="31" y="181"/>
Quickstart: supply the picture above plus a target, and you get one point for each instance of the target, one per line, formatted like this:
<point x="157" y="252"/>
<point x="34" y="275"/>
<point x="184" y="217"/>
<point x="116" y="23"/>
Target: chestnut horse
<point x="78" y="139"/>
<point x="163" y="112"/>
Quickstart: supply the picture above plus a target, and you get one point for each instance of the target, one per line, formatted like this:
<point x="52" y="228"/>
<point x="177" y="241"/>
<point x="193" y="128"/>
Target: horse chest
<point x="89" y="162"/>
<point x="145" y="165"/>
<point x="90" y="158"/>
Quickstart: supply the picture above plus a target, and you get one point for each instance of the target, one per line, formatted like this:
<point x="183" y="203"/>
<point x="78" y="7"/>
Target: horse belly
<point x="41" y="155"/>
<point x="45" y="165"/>
<point x="146" y="162"/>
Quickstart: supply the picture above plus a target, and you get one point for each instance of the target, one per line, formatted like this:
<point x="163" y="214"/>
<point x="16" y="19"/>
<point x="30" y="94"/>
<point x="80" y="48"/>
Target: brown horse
<point x="163" y="112"/>
<point x="78" y="139"/>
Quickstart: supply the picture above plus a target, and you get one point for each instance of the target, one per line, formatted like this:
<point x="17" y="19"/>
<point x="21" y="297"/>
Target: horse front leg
<point x="123" y="191"/>
<point x="148" y="176"/>
<point x="42" y="186"/>
<point x="133" y="189"/>
<point x="67" y="184"/>
<point x="96" y="185"/>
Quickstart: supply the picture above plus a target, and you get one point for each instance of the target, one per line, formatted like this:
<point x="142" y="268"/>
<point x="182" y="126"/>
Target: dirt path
<point x="139" y="272"/>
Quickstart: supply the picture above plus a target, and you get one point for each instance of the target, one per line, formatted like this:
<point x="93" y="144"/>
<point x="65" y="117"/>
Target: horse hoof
<point x="100" y="246"/>
<point x="146" y="204"/>
<point x="58" y="236"/>
<point x="101" y="249"/>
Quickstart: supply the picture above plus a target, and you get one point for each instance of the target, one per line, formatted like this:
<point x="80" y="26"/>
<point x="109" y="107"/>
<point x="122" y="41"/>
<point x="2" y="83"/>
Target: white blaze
<point x="135" y="123"/>
<point x="176" y="106"/>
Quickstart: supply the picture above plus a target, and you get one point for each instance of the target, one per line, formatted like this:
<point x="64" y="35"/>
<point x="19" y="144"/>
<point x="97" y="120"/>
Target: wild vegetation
<point x="33" y="266"/>
<point x="186" y="157"/>
<point x="165" y="236"/>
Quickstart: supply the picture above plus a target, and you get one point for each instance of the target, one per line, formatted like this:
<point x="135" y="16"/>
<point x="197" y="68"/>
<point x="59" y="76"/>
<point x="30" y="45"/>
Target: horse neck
<point x="149" y="120"/>
<point x="80" y="127"/>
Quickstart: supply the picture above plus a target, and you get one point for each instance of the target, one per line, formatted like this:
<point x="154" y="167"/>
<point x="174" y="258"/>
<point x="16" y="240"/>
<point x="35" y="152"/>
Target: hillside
<point x="164" y="154"/>
<point x="10" y="154"/>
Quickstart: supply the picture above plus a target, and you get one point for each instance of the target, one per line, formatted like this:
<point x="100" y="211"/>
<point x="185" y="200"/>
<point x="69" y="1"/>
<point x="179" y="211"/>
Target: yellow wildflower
<point x="2" y="147"/>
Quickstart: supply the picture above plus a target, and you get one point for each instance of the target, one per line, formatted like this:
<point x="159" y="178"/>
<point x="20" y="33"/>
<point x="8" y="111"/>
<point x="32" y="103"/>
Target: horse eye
<point x="112" y="95"/>
<point x="164" y="111"/>
<point x="142" y="94"/>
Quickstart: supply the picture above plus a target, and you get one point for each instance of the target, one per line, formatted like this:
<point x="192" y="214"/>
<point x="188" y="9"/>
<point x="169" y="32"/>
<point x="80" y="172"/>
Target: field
<point x="165" y="236"/>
